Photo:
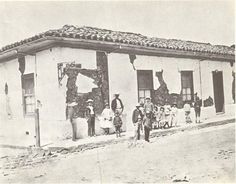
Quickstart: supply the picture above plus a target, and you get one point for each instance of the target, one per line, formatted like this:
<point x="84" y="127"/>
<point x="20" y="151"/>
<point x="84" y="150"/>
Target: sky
<point x="208" y="21"/>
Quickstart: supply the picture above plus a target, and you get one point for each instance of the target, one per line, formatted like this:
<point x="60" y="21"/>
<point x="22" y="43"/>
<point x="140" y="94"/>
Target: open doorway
<point x="218" y="91"/>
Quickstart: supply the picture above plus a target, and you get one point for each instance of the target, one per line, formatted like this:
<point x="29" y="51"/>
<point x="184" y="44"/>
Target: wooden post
<point x="37" y="127"/>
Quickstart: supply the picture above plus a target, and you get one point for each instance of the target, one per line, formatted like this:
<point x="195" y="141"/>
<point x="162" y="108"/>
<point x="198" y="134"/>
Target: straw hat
<point x="89" y="100"/>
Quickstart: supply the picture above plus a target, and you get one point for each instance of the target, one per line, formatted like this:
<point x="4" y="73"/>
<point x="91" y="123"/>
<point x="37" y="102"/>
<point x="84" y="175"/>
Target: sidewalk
<point x="103" y="140"/>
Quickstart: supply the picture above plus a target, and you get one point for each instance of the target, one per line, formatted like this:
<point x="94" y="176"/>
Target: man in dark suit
<point x="137" y="116"/>
<point x="117" y="105"/>
<point x="90" y="116"/>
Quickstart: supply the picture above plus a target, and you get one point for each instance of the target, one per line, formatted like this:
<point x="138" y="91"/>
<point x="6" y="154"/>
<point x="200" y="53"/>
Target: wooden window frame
<point x="191" y="84"/>
<point x="24" y="77"/>
<point x="151" y="89"/>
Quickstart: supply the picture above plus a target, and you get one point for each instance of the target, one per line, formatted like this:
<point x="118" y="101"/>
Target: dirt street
<point x="206" y="155"/>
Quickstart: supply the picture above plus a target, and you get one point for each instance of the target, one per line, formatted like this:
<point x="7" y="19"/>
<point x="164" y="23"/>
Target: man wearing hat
<point x="117" y="105"/>
<point x="90" y="115"/>
<point x="136" y="117"/>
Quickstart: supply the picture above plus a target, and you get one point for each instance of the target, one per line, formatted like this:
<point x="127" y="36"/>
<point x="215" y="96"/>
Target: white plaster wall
<point x="123" y="78"/>
<point x="207" y="67"/>
<point x="17" y="126"/>
<point x="53" y="122"/>
<point x="53" y="96"/>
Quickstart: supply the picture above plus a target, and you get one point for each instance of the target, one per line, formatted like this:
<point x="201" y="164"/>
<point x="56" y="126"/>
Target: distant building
<point x="35" y="71"/>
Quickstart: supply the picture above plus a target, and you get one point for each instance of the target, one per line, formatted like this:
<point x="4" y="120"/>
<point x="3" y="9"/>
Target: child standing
<point x="197" y="107"/>
<point x="187" y="110"/>
<point x="117" y="123"/>
<point x="155" y="117"/>
<point x="174" y="113"/>
<point x="90" y="116"/>
<point x="167" y="115"/>
<point x="162" y="118"/>
<point x="147" y="125"/>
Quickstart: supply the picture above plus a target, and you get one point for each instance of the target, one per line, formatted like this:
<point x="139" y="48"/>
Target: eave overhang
<point x="109" y="47"/>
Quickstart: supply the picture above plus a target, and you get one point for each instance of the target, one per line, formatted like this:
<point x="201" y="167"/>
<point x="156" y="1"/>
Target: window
<point x="145" y="84"/>
<point x="187" y="85"/>
<point x="28" y="94"/>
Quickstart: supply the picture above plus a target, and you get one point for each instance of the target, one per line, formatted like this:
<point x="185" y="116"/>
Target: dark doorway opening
<point x="218" y="91"/>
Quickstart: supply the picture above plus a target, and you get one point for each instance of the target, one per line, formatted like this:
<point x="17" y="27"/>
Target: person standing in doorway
<point x="117" y="105"/>
<point x="90" y="115"/>
<point x="197" y="107"/>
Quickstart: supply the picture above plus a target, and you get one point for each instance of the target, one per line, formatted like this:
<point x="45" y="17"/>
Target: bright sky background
<point x="204" y="21"/>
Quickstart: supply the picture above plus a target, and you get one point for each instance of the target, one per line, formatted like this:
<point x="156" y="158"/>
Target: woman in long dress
<point x="106" y="119"/>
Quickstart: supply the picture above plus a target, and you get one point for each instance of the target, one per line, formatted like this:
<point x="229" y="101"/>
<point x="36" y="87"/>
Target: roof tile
<point x="91" y="33"/>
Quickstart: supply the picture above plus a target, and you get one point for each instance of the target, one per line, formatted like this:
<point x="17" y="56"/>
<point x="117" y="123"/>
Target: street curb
<point x="195" y="127"/>
<point x="14" y="146"/>
<point x="155" y="133"/>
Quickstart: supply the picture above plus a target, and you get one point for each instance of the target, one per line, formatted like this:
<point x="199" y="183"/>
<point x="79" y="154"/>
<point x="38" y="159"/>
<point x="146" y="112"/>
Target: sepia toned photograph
<point x="117" y="91"/>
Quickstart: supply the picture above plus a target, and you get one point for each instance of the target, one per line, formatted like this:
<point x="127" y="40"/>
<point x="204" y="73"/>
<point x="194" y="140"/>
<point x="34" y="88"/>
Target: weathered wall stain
<point x="208" y="102"/>
<point x="161" y="94"/>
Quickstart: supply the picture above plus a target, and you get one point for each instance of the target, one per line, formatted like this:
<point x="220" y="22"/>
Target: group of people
<point x="152" y="116"/>
<point x="109" y="117"/>
<point x="145" y="116"/>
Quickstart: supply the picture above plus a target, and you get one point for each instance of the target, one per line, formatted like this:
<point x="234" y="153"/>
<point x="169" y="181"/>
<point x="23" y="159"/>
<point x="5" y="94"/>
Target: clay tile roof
<point x="91" y="33"/>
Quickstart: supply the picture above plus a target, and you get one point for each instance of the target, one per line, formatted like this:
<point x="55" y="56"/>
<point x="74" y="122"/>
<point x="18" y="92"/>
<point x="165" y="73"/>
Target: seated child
<point x="117" y="123"/>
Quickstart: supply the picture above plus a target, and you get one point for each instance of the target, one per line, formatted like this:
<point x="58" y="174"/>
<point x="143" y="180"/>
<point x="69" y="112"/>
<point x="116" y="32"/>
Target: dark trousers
<point x="91" y="126"/>
<point x="138" y="132"/>
<point x="146" y="133"/>
<point x="197" y="112"/>
<point x="117" y="127"/>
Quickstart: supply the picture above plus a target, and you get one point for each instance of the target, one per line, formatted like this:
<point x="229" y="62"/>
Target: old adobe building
<point x="76" y="63"/>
